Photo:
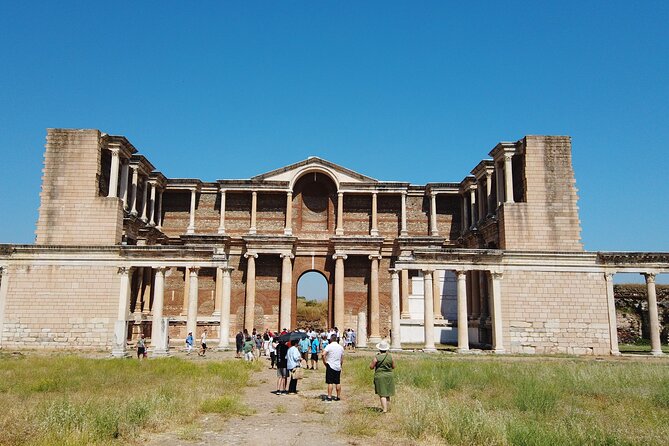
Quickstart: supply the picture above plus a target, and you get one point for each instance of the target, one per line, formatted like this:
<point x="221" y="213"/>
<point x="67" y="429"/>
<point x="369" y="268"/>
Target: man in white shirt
<point x="333" y="358"/>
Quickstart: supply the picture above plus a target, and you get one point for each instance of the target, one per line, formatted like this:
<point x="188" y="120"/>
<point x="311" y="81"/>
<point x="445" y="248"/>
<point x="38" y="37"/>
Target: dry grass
<point x="75" y="401"/>
<point x="521" y="401"/>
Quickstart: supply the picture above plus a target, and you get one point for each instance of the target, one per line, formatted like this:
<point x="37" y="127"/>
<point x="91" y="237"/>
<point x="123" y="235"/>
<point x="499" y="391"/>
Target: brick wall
<point x="418" y="216"/>
<point x="271" y="213"/>
<point x="61" y="307"/>
<point x="555" y="312"/>
<point x="73" y="210"/>
<point x="357" y="214"/>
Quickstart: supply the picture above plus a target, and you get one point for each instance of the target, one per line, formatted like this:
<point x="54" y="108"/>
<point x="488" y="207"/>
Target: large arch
<point x="307" y="316"/>
<point x="314" y="205"/>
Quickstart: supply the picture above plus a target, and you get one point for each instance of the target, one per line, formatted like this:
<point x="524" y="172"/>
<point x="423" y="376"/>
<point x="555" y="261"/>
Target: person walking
<point x="189" y="343"/>
<point x="383" y="365"/>
<point x="293" y="358"/>
<point x="141" y="347"/>
<point x="281" y="369"/>
<point x="203" y="343"/>
<point x="239" y="343"/>
<point x="333" y="358"/>
<point x="272" y="352"/>
<point x="248" y="348"/>
<point x="315" y="350"/>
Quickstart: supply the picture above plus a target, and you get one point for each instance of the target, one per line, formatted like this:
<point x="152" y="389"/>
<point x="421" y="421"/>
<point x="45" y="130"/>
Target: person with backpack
<point x="189" y="343"/>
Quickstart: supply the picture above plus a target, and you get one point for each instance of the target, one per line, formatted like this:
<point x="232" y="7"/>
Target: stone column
<point x="254" y="207"/>
<point x="405" y="294"/>
<point x="480" y="191"/>
<point x="250" y="305"/>
<point x="288" y="230"/>
<point x="159" y="212"/>
<point x="613" y="323"/>
<point x="340" y="214"/>
<point x="133" y="190"/>
<point x="124" y="185"/>
<point x="497" y="328"/>
<point x="472" y="207"/>
<point x="508" y="178"/>
<point x="184" y="307"/>
<point x="221" y="225"/>
<point x="146" y="295"/>
<point x="374" y="306"/>
<point x="434" y="231"/>
<point x="191" y="317"/>
<point x="653" y="319"/>
<point x="463" y="324"/>
<point x="499" y="191"/>
<point x="4" y="286"/>
<point x="286" y="291"/>
<point x="465" y="215"/>
<point x="218" y="292"/>
<point x="145" y="199"/>
<point x="374" y="232"/>
<point x="361" y="340"/>
<point x="488" y="193"/>
<point x="476" y="294"/>
<point x="191" y="222"/>
<point x="119" y="349"/>
<point x="395" y="333"/>
<point x="152" y="211"/>
<point x="158" y="300"/>
<point x="403" y="223"/>
<point x="139" y="299"/>
<point x="436" y="293"/>
<point x="113" y="173"/>
<point x="428" y="320"/>
<point x="224" y="329"/>
<point x="339" y="290"/>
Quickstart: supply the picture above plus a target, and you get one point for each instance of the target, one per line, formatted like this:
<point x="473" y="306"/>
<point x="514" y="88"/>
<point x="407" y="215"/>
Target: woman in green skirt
<point x="384" y="380"/>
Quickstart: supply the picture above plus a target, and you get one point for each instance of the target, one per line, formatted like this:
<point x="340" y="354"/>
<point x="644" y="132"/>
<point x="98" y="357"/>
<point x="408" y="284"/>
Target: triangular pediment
<point x="292" y="172"/>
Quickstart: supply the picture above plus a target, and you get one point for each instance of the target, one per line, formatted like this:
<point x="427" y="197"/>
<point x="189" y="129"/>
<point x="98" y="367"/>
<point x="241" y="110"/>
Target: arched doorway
<point x="314" y="205"/>
<point x="312" y="300"/>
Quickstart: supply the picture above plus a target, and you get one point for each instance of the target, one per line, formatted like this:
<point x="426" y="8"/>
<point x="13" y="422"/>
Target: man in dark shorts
<point x="281" y="369"/>
<point x="239" y="343"/>
<point x="314" y="348"/>
<point x="333" y="358"/>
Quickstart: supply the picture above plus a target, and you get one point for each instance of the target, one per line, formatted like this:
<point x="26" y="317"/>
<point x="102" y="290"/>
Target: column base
<point x="374" y="233"/>
<point x="339" y="232"/>
<point x="404" y="233"/>
<point x="161" y="352"/>
<point x="287" y="232"/>
<point x="120" y="353"/>
<point x="499" y="351"/>
<point x="216" y="313"/>
<point x="405" y="316"/>
<point x="429" y="350"/>
<point x="396" y="349"/>
<point x="190" y="231"/>
<point x="616" y="353"/>
<point x="252" y="231"/>
<point x="223" y="348"/>
<point x="657" y="353"/>
<point x="463" y="350"/>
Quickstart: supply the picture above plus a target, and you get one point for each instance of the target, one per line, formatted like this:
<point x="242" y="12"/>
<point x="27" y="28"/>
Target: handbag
<point x="297" y="373"/>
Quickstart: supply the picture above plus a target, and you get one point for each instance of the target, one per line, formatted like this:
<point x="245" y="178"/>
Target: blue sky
<point x="408" y="91"/>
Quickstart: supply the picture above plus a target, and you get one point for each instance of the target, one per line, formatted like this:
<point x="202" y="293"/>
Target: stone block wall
<point x="73" y="209"/>
<point x="449" y="208"/>
<point x="176" y="212"/>
<point x="418" y="216"/>
<point x="389" y="214"/>
<point x="60" y="307"/>
<point x="271" y="213"/>
<point x="237" y="213"/>
<point x="547" y="219"/>
<point x="207" y="213"/>
<point x="357" y="214"/>
<point x="555" y="312"/>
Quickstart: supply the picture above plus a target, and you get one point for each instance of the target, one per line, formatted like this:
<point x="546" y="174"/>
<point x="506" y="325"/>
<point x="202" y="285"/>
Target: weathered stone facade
<point x="493" y="261"/>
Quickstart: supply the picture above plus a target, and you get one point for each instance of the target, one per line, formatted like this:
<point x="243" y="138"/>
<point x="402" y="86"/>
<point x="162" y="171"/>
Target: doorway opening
<point x="312" y="301"/>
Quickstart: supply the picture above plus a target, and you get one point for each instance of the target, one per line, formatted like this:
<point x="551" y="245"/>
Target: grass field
<point x="69" y="400"/>
<point x="516" y="401"/>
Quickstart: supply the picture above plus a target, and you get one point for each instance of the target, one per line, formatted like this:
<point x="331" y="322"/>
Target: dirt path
<point x="278" y="420"/>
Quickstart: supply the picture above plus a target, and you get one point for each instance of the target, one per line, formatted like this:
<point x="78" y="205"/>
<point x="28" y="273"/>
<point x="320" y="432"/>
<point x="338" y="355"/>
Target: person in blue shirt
<point x="315" y="349"/>
<point x="292" y="362"/>
<point x="305" y="344"/>
<point x="189" y="343"/>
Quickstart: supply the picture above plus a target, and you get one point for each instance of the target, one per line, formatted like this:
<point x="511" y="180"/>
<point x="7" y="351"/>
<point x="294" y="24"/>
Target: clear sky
<point x="405" y="91"/>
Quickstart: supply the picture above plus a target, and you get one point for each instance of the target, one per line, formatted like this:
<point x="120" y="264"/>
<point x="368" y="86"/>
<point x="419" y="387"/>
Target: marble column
<point x="159" y="212"/>
<point x="145" y="199"/>
<point x="497" y="325"/>
<point x="434" y="231"/>
<point x="119" y="349"/>
<point x="124" y="184"/>
<point x="152" y="210"/>
<point x="224" y="329"/>
<point x="508" y="178"/>
<point x="488" y="193"/>
<point x="463" y="324"/>
<point x="403" y="218"/>
<point x="499" y="191"/>
<point x="158" y="302"/>
<point x="218" y="292"/>
<point x="374" y="306"/>
<point x="193" y="288"/>
<point x="146" y="295"/>
<point x="288" y="230"/>
<point x="286" y="292"/>
<point x="133" y="190"/>
<point x="405" y="295"/>
<point x="4" y="287"/>
<point x="340" y="214"/>
<point x="191" y="216"/>
<point x="480" y="198"/>
<point x="465" y="215"/>
<point x="221" y="224"/>
<point x="395" y="333"/>
<point x="339" y="289"/>
<point x="613" y="323"/>
<point x="113" y="173"/>
<point x="184" y="307"/>
<point x="436" y="293"/>
<point x="428" y="319"/>
<point x="250" y="304"/>
<point x="254" y="210"/>
<point x="472" y="208"/>
<point x="374" y="232"/>
<point x="653" y="318"/>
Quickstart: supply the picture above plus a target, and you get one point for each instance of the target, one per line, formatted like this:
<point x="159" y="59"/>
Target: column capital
<point x="3" y="269"/>
<point x="253" y="254"/>
<point x="226" y="270"/>
<point x="123" y="270"/>
<point x="339" y="255"/>
<point x="115" y="150"/>
<point x="290" y="255"/>
<point x="193" y="270"/>
<point x="394" y="272"/>
<point x="508" y="157"/>
<point x="608" y="276"/>
<point x="375" y="256"/>
<point x="650" y="277"/>
<point x="340" y="193"/>
<point x="496" y="274"/>
<point x="461" y="273"/>
<point x="427" y="271"/>
<point x="161" y="269"/>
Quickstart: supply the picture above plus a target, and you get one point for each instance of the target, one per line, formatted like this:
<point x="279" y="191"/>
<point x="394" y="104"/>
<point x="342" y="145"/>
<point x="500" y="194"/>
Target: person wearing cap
<point x="384" y="379"/>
